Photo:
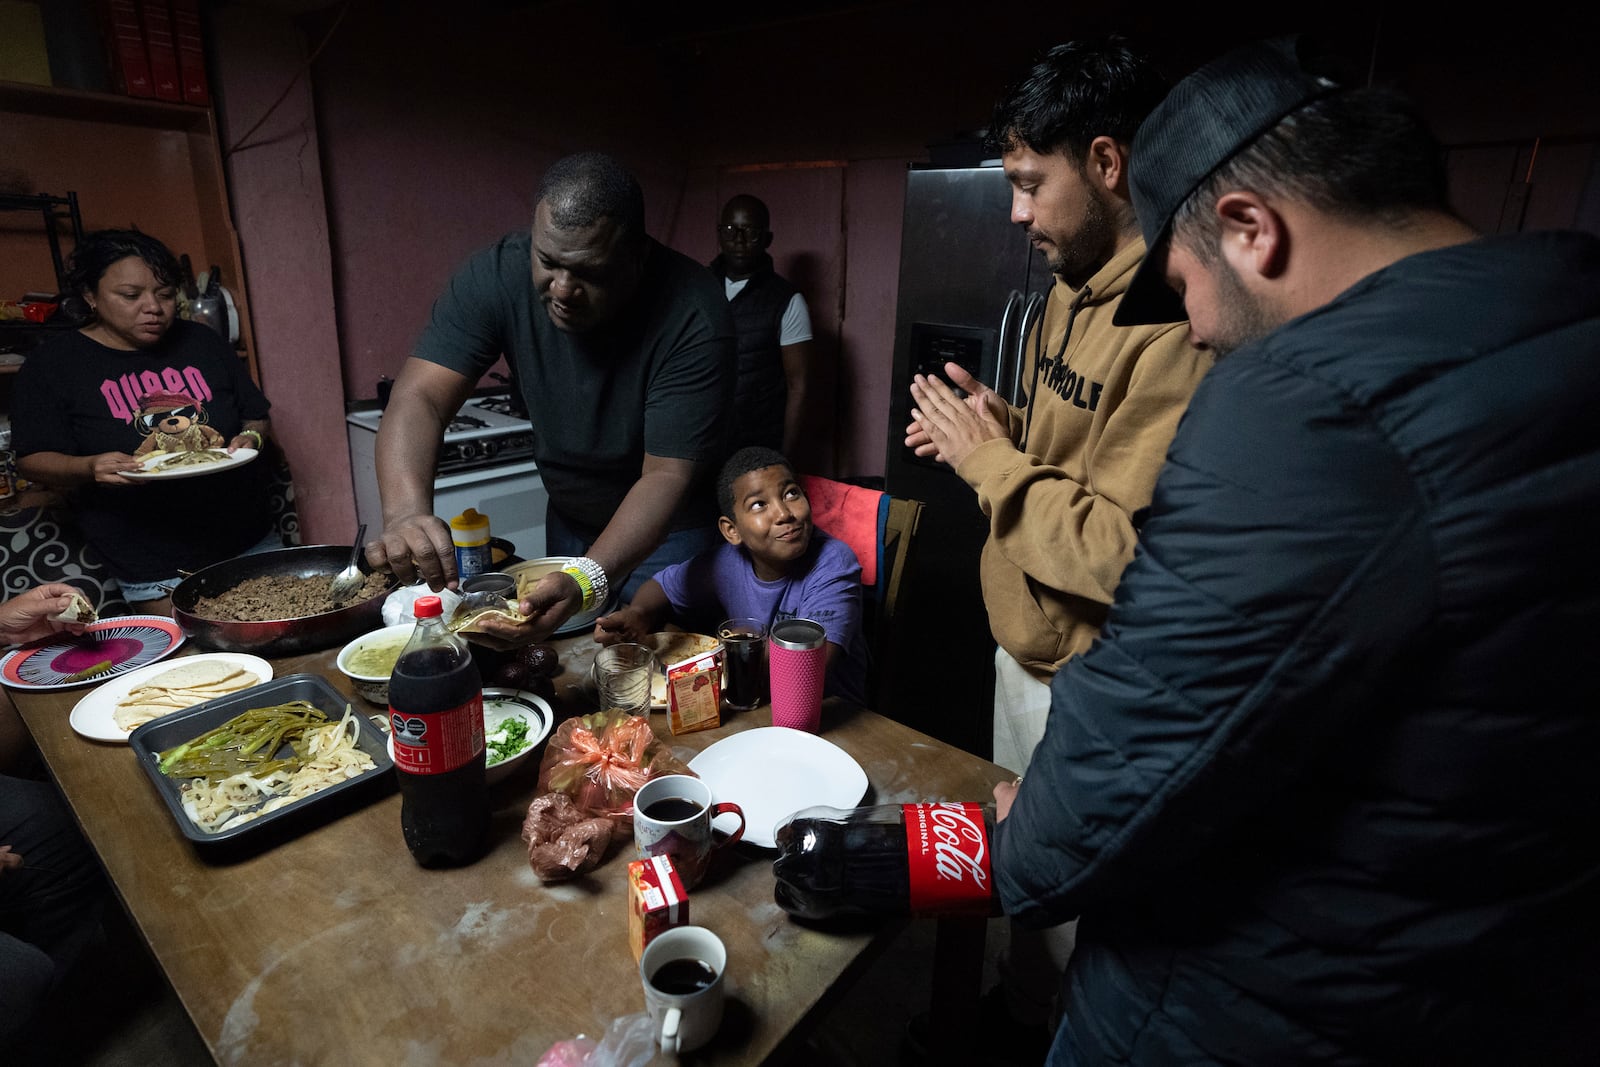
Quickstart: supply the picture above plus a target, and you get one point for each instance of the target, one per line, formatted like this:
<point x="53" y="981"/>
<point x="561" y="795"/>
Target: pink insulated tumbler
<point x="797" y="659"/>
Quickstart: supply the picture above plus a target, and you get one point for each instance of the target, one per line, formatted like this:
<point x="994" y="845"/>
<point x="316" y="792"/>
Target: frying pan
<point x="279" y="637"/>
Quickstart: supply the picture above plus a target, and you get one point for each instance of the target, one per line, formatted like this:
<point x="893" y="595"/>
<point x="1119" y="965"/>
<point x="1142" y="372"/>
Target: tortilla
<point x="183" y="686"/>
<point x="471" y="621"/>
<point x="80" y="610"/>
<point x="673" y="648"/>
<point x="206" y="673"/>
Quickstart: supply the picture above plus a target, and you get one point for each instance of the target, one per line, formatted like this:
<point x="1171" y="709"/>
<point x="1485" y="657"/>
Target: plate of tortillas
<point x="111" y="712"/>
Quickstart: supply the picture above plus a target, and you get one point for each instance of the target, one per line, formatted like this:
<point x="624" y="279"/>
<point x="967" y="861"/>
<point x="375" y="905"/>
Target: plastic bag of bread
<point x="600" y="760"/>
<point x="562" y="841"/>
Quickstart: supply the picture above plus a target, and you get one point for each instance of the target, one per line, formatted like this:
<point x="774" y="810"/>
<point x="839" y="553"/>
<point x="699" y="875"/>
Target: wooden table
<point x="335" y="947"/>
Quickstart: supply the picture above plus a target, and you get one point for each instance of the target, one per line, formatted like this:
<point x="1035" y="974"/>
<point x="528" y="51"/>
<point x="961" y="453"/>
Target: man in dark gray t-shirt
<point x="624" y="353"/>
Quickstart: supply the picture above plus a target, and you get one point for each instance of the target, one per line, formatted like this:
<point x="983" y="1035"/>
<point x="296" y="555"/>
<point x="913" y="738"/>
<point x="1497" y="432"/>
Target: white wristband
<point x="597" y="589"/>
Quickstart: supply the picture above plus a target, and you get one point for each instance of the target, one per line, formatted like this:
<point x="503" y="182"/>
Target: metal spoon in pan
<point x="347" y="581"/>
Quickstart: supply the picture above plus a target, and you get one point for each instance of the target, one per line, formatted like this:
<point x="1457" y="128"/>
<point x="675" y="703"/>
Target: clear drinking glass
<point x="622" y="676"/>
<point x="744" y="667"/>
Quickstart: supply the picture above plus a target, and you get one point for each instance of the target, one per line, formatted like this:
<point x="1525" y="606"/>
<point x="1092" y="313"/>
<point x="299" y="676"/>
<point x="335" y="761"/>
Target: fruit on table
<point x="525" y="667"/>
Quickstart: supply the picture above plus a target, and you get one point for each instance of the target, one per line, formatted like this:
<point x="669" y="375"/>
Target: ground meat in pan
<point x="270" y="597"/>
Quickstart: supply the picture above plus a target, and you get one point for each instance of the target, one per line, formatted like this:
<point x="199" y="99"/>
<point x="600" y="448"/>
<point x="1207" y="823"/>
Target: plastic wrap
<point x="601" y="760"/>
<point x="562" y="841"/>
<point x="630" y="1041"/>
<point x="398" y="605"/>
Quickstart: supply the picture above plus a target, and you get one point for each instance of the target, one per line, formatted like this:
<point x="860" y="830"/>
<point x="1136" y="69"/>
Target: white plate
<point x="772" y="772"/>
<point x="153" y="472"/>
<point x="94" y="716"/>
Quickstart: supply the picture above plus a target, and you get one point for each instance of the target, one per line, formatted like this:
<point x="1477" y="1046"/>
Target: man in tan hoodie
<point x="1062" y="478"/>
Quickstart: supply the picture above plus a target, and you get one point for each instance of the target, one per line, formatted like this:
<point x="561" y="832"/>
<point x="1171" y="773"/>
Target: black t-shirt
<point x="78" y="397"/>
<point x="659" y="380"/>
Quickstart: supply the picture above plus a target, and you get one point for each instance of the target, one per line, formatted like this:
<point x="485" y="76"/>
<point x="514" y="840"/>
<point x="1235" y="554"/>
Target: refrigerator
<point x="971" y="287"/>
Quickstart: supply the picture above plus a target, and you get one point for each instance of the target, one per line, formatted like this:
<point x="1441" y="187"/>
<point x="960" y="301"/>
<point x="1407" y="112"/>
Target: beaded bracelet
<point x="260" y="440"/>
<point x="591" y="579"/>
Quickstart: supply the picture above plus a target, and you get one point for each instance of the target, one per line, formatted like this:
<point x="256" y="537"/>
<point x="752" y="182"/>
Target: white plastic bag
<point x="630" y="1041"/>
<point x="398" y="604"/>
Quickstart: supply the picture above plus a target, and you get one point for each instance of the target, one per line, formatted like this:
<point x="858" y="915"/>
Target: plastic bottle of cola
<point x="892" y="859"/>
<point x="436" y="720"/>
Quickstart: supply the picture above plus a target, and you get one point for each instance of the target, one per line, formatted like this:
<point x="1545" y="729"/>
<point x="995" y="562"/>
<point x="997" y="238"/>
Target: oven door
<point x="512" y="496"/>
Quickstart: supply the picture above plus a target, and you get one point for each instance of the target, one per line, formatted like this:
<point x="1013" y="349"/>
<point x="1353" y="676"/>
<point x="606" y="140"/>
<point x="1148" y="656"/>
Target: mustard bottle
<point x="470" y="532"/>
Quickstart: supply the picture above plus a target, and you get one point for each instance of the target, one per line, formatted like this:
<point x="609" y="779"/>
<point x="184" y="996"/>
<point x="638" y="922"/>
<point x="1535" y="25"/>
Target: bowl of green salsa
<point x="369" y="660"/>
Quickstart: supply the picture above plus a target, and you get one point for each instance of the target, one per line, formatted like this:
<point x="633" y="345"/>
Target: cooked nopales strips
<point x="325" y="755"/>
<point x="183" y="686"/>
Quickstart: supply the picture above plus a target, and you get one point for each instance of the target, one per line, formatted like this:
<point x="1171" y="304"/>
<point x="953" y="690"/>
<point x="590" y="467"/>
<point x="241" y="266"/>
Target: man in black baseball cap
<point x="1201" y="125"/>
<point x="1323" y="791"/>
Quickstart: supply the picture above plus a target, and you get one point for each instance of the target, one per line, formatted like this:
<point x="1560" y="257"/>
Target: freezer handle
<point x="1008" y="354"/>
<point x="1031" y="312"/>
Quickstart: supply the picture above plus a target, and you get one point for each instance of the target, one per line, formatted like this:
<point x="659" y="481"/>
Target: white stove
<point x="485" y="462"/>
<point x="484" y="433"/>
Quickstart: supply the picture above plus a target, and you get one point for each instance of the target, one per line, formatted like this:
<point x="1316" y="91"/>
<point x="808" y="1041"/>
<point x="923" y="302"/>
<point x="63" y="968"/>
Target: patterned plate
<point x="128" y="642"/>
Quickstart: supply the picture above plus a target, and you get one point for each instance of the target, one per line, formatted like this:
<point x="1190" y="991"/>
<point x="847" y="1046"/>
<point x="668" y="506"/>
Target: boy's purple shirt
<point x="826" y="588"/>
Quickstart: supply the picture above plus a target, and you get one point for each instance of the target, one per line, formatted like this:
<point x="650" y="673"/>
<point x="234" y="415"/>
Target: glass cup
<point x="622" y="676"/>
<point x="744" y="667"/>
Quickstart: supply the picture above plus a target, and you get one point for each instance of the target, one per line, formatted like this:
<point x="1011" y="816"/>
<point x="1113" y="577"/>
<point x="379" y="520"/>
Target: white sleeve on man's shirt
<point x="796" y="325"/>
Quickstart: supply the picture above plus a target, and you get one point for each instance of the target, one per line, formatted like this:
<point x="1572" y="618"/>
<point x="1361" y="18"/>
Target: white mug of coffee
<point x="672" y="817"/>
<point x="682" y="973"/>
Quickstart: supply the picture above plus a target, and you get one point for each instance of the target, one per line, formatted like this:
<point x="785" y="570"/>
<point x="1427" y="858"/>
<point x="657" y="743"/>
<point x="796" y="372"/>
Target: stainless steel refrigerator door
<point x="964" y="266"/>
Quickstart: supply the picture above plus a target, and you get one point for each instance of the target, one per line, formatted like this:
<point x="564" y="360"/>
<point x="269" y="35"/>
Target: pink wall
<point x="430" y="132"/>
<point x="275" y="181"/>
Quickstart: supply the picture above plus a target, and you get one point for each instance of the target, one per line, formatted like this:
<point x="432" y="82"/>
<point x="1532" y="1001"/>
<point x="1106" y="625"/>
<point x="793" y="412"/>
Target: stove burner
<point x="500" y="405"/>
<point x="465" y="422"/>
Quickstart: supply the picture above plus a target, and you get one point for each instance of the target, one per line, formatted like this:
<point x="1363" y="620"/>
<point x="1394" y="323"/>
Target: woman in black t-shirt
<point x="91" y="406"/>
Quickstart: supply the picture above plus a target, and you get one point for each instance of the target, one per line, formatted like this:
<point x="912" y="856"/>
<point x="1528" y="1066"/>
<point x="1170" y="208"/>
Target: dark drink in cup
<point x="744" y="667"/>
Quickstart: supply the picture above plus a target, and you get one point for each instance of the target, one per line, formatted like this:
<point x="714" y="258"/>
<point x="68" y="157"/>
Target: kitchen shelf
<point x="102" y="107"/>
<point x="145" y="163"/>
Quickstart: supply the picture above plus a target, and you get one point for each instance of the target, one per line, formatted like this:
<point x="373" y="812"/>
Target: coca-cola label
<point x="947" y="847"/>
<point x="437" y="742"/>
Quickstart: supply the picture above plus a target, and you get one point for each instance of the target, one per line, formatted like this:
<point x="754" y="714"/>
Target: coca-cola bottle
<point x="436" y="720"/>
<point x="892" y="859"/>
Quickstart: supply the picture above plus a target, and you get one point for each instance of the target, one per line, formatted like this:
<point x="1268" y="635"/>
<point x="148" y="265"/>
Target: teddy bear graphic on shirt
<point x="174" y="422"/>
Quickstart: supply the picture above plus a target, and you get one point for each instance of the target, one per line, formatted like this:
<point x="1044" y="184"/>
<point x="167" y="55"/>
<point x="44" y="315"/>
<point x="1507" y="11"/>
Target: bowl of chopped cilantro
<point x="515" y="721"/>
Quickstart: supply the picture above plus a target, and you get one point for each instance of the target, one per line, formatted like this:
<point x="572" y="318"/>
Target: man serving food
<point x="624" y="352"/>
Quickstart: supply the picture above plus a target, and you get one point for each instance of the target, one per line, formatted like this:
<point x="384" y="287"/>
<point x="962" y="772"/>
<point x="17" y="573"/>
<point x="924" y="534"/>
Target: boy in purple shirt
<point x="775" y="565"/>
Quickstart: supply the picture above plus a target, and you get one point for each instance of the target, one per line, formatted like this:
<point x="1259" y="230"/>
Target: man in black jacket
<point x="774" y="330"/>
<point x="1323" y="793"/>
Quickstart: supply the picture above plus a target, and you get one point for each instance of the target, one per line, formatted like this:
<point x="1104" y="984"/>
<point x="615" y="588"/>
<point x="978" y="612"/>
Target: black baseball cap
<point x="1204" y="121"/>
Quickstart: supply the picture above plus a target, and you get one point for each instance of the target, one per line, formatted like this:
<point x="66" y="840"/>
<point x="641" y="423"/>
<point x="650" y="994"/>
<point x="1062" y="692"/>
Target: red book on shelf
<point x="162" y="49"/>
<point x="130" y="66"/>
<point x="191" y="51"/>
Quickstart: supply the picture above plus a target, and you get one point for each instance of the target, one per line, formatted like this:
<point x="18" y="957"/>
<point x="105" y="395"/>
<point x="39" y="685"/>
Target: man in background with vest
<point x="774" y="329"/>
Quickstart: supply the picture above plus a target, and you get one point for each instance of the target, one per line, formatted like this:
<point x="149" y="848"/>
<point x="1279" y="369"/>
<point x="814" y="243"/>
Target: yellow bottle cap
<point x="472" y="523"/>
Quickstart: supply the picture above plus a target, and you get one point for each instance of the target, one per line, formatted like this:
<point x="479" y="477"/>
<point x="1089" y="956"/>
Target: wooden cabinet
<point x="132" y="162"/>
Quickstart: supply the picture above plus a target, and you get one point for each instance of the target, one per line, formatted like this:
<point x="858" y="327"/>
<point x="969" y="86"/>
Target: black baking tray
<point x="154" y="737"/>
